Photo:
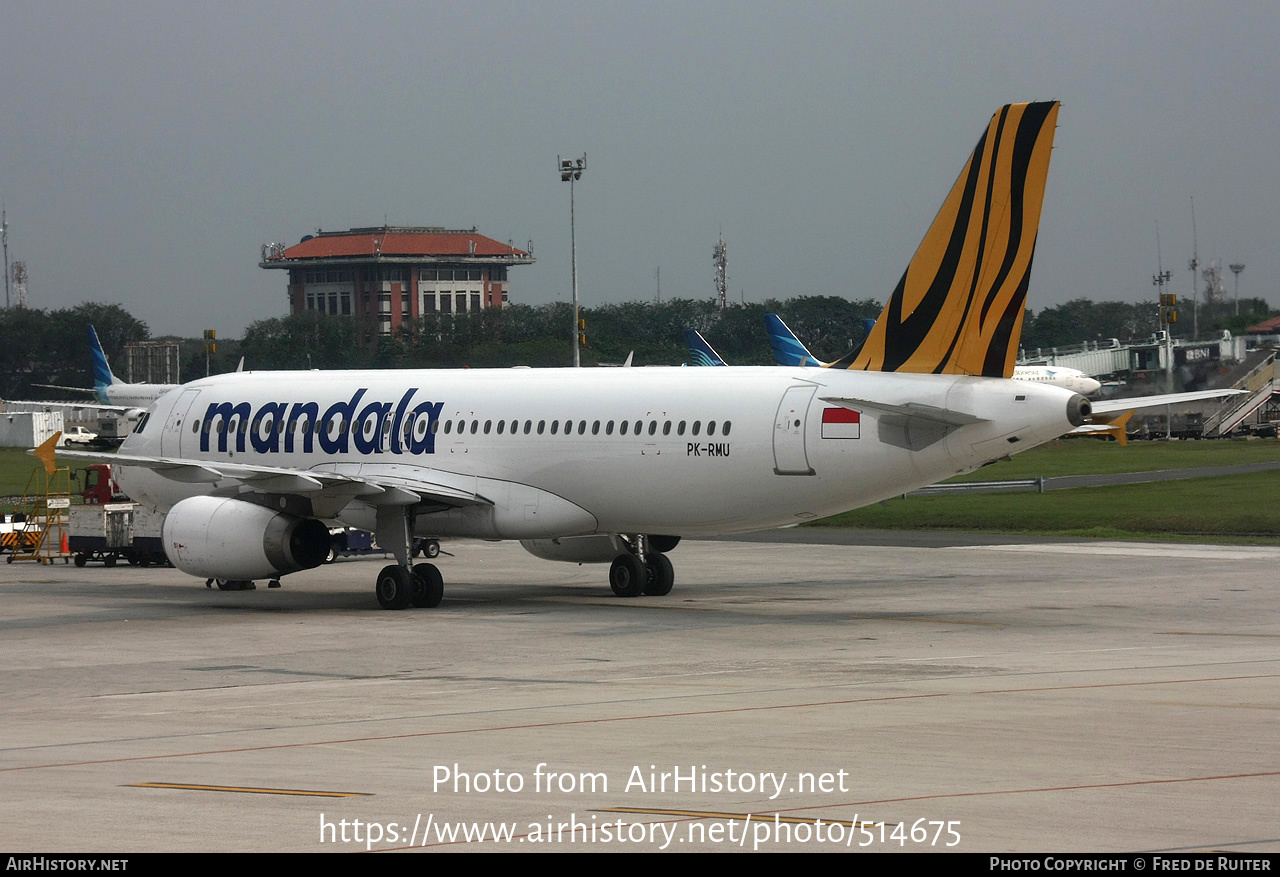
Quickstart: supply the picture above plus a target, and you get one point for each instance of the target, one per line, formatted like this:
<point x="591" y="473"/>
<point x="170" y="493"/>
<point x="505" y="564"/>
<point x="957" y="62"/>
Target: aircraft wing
<point x="1111" y="406"/>
<point x="91" y="406"/>
<point x="330" y="486"/>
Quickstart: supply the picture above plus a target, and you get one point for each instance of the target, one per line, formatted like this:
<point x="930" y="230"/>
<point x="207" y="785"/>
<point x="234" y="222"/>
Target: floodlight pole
<point x="1236" y="268"/>
<point x="570" y="172"/>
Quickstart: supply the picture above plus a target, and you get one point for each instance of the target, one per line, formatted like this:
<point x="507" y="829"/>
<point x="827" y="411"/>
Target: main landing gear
<point x="643" y="569"/>
<point x="401" y="584"/>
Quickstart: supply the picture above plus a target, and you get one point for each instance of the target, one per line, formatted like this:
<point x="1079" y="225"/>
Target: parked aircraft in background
<point x="616" y="465"/>
<point x="789" y="350"/>
<point x="109" y="390"/>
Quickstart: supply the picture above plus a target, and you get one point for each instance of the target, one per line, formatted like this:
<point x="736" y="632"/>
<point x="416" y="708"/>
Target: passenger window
<point x="666" y="428"/>
<point x="448" y="427"/>
<point x="541" y="424"/>
<point x="639" y="426"/>
<point x="195" y="426"/>
<point x="608" y="428"/>
<point x="711" y="428"/>
<point x="487" y="424"/>
<point x="697" y="427"/>
<point x="475" y="426"/>
<point x="622" y="428"/>
<point x="653" y="427"/>
<point x="680" y="428"/>
<point x="582" y="427"/>
<point x="501" y="426"/>
<point x="528" y="427"/>
<point x="595" y="428"/>
<point x="435" y="427"/>
<point x="555" y="425"/>
<point x="725" y="431"/>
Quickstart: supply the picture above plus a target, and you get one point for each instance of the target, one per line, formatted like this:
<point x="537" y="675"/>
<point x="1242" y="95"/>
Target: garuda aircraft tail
<point x="700" y="352"/>
<point x="102" y="376"/>
<point x="958" y="308"/>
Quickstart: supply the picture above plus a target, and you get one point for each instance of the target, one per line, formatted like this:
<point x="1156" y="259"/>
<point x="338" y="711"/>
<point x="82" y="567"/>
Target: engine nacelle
<point x="576" y="549"/>
<point x="213" y="537"/>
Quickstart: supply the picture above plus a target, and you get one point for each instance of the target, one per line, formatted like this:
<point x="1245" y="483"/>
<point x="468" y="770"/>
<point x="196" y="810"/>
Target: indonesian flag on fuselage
<point x="840" y="423"/>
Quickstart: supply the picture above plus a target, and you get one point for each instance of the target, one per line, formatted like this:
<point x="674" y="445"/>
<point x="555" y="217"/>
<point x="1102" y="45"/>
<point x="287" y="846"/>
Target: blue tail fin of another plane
<point x="102" y="376"/>
<point x="787" y="348"/>
<point x="700" y="352"/>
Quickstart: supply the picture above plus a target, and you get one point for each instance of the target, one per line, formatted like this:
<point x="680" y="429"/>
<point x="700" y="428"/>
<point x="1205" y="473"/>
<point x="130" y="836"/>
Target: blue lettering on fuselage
<point x="376" y="429"/>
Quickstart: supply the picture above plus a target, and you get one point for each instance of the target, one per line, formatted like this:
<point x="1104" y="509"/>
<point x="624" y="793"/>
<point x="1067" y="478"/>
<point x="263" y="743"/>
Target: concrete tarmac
<point x="1012" y="697"/>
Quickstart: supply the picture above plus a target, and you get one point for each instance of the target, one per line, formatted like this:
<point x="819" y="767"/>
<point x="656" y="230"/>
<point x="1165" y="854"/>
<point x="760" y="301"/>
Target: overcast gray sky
<point x="148" y="150"/>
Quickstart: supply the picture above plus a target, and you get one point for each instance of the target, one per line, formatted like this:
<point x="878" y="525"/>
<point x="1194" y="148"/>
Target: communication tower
<point x="720" y="256"/>
<point x="19" y="273"/>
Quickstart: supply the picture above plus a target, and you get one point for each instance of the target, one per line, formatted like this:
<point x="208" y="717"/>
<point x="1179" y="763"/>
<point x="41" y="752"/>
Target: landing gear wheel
<point x="395" y="587"/>
<point x="627" y="575"/>
<point x="428" y="586"/>
<point x="661" y="576"/>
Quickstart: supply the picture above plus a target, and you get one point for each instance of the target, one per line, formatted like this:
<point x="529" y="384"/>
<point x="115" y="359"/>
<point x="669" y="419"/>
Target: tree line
<point x="51" y="347"/>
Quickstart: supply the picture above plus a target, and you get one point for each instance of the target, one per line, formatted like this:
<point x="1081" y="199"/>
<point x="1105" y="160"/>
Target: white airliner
<point x="1071" y="378"/>
<point x="615" y="465"/>
<point x="112" y="393"/>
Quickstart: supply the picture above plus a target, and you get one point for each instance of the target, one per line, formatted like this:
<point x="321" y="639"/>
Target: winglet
<point x="45" y="453"/>
<point x="958" y="307"/>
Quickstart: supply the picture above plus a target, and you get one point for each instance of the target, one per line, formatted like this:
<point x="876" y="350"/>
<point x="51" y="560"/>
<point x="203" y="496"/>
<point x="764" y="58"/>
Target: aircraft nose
<point x="1090" y="386"/>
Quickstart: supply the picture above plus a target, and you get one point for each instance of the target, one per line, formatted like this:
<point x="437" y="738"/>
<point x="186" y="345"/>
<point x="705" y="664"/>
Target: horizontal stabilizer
<point x="910" y="410"/>
<point x="1111" y="406"/>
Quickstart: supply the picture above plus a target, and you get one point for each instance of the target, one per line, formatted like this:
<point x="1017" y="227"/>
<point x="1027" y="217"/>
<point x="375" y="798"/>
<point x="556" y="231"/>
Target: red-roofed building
<point x="393" y="274"/>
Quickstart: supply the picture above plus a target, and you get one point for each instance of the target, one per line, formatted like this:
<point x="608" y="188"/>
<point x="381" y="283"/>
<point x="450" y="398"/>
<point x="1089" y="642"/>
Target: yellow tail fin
<point x="45" y="452"/>
<point x="958" y="307"/>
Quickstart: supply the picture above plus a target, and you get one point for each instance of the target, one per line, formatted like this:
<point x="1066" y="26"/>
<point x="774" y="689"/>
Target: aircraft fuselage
<point x="565" y="452"/>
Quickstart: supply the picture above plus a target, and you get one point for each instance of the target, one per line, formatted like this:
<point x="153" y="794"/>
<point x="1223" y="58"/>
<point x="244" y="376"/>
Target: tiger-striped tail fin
<point x="958" y="307"/>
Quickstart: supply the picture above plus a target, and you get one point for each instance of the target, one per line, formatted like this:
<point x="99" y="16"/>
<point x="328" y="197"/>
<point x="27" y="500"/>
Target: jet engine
<point x="213" y="537"/>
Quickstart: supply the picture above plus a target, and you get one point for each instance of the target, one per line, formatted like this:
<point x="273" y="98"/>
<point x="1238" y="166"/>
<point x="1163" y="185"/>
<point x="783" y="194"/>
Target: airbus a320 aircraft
<point x="615" y="465"/>
<point x="113" y="393"/>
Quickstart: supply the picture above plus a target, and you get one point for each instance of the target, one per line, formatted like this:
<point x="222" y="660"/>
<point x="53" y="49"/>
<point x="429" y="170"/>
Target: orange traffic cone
<point x="66" y="548"/>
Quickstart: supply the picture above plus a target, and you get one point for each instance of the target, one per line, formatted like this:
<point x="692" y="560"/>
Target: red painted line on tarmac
<point x="1117" y="785"/>
<point x="1125" y="684"/>
<point x="635" y="718"/>
<point x="420" y="734"/>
